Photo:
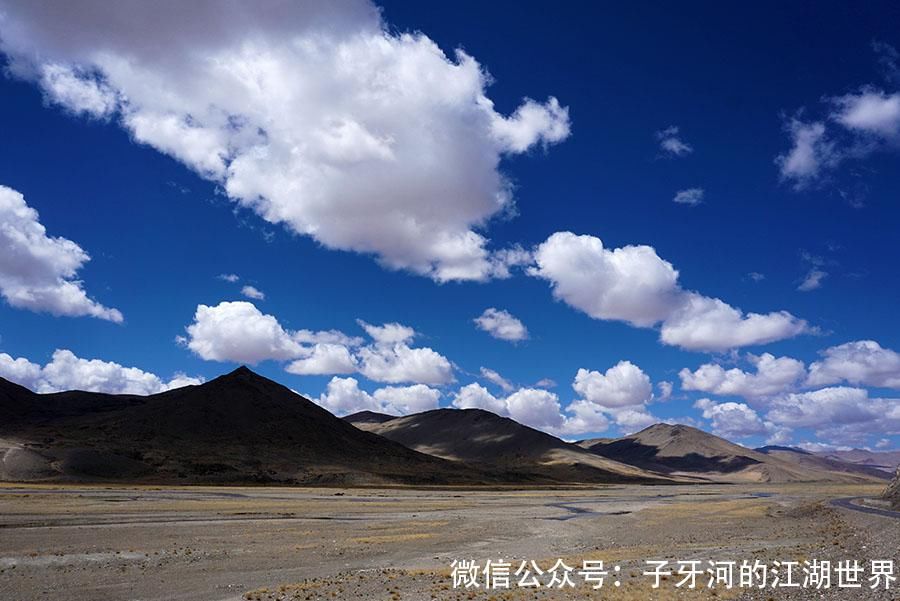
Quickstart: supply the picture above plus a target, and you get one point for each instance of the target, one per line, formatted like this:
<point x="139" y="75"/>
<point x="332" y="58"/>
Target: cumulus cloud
<point x="671" y="143"/>
<point x="691" y="196"/>
<point x="318" y="116"/>
<point x="252" y="292"/>
<point x="476" y="396"/>
<point x="625" y="384"/>
<point x="533" y="407"/>
<point x="239" y="332"/>
<point x="862" y="362"/>
<point x="66" y="371"/>
<point x="501" y="324"/>
<point x="494" y="377"/>
<point x="325" y="359"/>
<point x="343" y="396"/>
<point x="78" y="91"/>
<point x="732" y="420"/>
<point x="830" y="407"/>
<point x="704" y="323"/>
<point x="408" y="399"/>
<point x="400" y="363"/>
<point x="773" y="375"/>
<point x="389" y="333"/>
<point x="620" y="394"/>
<point x="228" y="277"/>
<point x="633" y="284"/>
<point x="39" y="272"/>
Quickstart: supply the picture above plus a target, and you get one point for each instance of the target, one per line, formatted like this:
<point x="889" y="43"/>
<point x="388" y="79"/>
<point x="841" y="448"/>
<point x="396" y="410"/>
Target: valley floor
<point x="229" y="543"/>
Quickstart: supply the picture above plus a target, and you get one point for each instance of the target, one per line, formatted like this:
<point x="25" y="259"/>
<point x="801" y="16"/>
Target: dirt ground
<point x="203" y="543"/>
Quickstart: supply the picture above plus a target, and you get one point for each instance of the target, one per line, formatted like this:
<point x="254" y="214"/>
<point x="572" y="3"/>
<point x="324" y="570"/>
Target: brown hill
<point x="495" y="443"/>
<point x="883" y="460"/>
<point x="238" y="428"/>
<point x="830" y="464"/>
<point x="680" y="450"/>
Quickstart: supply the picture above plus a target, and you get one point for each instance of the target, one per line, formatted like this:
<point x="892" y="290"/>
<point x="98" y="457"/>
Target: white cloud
<point x="858" y="124"/>
<point x="66" y="371"/>
<point x="501" y="324"/>
<point x="228" y="277"/>
<point x="732" y="420"/>
<point x="773" y="375"/>
<point x="239" y="332"/>
<point x="633" y="284"/>
<point x="665" y="390"/>
<point x="623" y="385"/>
<point x="633" y="419"/>
<point x="315" y="115"/>
<point x="813" y="280"/>
<point x="326" y="337"/>
<point x="618" y="396"/>
<point x="535" y="407"/>
<point x="39" y="272"/>
<point x="827" y="407"/>
<point x="389" y="333"/>
<point x="585" y="417"/>
<point x="251" y="292"/>
<point x="670" y="141"/>
<point x="704" y="323"/>
<point x="400" y="363"/>
<point x="870" y="111"/>
<point x="756" y="276"/>
<point x="691" y="196"/>
<point x="343" y="396"/>
<point x="20" y="370"/>
<point x="862" y="362"/>
<point x="408" y="399"/>
<point x="492" y="376"/>
<point x="81" y="93"/>
<point x="325" y="359"/>
<point x="476" y="396"/>
<point x="811" y="153"/>
<point x="545" y="383"/>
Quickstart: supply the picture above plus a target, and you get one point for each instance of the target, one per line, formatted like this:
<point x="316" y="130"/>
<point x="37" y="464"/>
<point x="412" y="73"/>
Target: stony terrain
<point x="217" y="543"/>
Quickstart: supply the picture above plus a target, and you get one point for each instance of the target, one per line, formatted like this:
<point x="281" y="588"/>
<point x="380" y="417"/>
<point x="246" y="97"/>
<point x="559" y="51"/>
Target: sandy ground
<point x="198" y="544"/>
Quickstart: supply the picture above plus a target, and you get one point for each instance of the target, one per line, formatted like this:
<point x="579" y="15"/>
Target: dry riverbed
<point x="229" y="543"/>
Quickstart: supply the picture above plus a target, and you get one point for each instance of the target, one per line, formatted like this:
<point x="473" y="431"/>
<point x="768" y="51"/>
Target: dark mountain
<point x="368" y="417"/>
<point x="680" y="450"/>
<point x="475" y="436"/>
<point x="237" y="428"/>
<point x="774" y="448"/>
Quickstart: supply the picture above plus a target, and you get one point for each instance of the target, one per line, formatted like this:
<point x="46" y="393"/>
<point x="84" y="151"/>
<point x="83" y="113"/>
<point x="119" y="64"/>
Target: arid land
<point x="96" y="543"/>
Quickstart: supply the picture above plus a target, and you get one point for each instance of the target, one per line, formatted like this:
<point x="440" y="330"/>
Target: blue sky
<point x="163" y="209"/>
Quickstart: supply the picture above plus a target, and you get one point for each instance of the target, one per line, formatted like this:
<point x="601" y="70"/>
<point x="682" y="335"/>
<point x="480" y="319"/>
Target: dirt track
<point x="95" y="543"/>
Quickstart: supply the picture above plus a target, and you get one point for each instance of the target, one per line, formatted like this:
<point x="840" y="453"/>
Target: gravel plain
<point x="96" y="543"/>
